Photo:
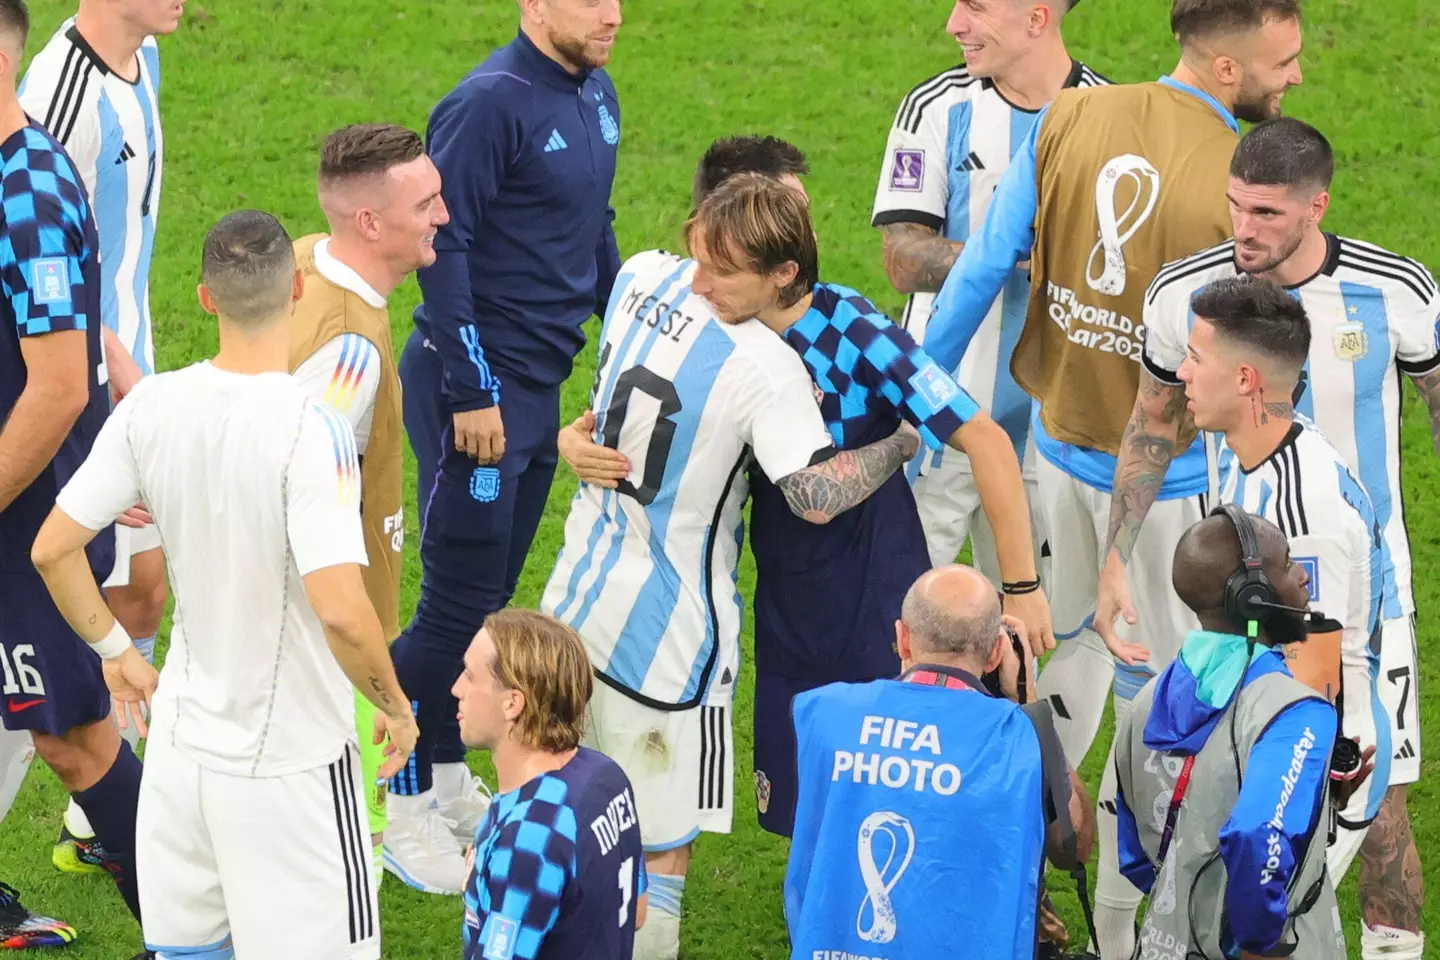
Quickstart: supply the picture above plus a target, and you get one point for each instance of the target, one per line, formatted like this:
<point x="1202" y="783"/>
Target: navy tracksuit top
<point x="526" y="151"/>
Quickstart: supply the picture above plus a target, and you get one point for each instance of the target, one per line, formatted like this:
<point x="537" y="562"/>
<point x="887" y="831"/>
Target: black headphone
<point x="1249" y="595"/>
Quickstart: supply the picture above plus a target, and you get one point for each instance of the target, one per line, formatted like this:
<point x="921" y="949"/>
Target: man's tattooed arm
<point x="1392" y="888"/>
<point x="822" y="492"/>
<point x="1429" y="386"/>
<point x="1146" y="450"/>
<point x="917" y="258"/>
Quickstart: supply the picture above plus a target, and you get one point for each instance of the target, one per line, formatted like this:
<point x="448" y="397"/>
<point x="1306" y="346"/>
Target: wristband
<point x="1019" y="587"/>
<point x="116" y="642"/>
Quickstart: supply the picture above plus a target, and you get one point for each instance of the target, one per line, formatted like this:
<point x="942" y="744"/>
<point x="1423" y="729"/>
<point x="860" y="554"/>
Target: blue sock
<point x="665" y="892"/>
<point x="110" y="807"/>
<point x="146" y="646"/>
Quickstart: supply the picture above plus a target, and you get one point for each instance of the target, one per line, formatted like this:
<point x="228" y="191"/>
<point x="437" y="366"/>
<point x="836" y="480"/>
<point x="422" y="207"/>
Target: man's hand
<point x="1010" y="663"/>
<point x="124" y="371"/>
<point x="1033" y="610"/>
<point x="402" y="732"/>
<point x="480" y="434"/>
<point x="132" y="682"/>
<point x="1114" y="600"/>
<point x="594" y="464"/>
<point x="136" y="516"/>
<point x="1343" y="790"/>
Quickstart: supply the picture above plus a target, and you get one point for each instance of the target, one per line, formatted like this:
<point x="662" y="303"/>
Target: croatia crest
<point x="485" y="484"/>
<point x="609" y="129"/>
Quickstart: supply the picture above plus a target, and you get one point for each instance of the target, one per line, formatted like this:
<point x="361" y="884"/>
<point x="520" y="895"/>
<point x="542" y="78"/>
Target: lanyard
<point x="1182" y="783"/>
<point x="932" y="676"/>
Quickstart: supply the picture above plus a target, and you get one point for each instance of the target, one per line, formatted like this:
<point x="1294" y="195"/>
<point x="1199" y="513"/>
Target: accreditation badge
<point x="1351" y="341"/>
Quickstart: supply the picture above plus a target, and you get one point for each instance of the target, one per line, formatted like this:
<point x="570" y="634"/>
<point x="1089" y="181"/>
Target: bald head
<point x="952" y="611"/>
<point x="1209" y="552"/>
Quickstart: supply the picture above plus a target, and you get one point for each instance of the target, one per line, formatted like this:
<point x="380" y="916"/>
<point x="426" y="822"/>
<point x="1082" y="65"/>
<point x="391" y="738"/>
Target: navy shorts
<point x="50" y="679"/>
<point x="775" y="774"/>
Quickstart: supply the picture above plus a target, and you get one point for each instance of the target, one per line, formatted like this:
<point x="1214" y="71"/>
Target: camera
<point x="991" y="680"/>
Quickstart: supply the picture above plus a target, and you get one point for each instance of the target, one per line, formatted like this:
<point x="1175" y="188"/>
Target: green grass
<point x="252" y="86"/>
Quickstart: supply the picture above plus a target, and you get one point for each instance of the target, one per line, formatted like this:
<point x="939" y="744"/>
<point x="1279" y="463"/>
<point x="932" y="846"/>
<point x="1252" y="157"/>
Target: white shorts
<point x="950" y="509"/>
<point x="1368" y="718"/>
<point x="130" y="542"/>
<point x="1400" y="693"/>
<point x="680" y="762"/>
<point x="1077" y="521"/>
<point x="254" y="867"/>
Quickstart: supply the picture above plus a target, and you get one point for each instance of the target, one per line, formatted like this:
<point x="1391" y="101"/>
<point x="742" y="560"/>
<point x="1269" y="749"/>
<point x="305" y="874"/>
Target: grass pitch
<point x="250" y="88"/>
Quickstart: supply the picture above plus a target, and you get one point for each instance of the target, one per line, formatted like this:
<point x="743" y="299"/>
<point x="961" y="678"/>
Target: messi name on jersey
<point x="916" y="772"/>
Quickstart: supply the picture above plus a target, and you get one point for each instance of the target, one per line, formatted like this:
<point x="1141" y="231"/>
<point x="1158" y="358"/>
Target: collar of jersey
<point x="342" y="275"/>
<point x="547" y="69"/>
<point x="1199" y="94"/>
<point x="1296" y="428"/>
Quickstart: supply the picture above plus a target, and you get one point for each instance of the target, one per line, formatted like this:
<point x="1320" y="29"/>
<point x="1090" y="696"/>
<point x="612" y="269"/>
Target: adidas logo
<point x="972" y="162"/>
<point x="126" y="153"/>
<point x="556" y="142"/>
<point x="1406" y="751"/>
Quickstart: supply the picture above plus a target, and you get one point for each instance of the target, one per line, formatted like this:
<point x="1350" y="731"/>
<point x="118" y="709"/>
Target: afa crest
<point x="1351" y="341"/>
<point x="485" y="484"/>
<point x="609" y="128"/>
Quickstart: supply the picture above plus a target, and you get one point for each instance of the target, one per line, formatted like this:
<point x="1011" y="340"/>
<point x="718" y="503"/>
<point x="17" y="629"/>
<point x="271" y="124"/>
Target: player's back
<point x="647" y="572"/>
<point x="249" y="686"/>
<point x="1139" y="171"/>
<point x="50" y="281"/>
<point x="574" y="831"/>
<point x="110" y="127"/>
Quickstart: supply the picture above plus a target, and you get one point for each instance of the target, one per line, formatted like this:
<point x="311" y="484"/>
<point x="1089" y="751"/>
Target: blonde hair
<point x="755" y="223"/>
<point x="545" y="660"/>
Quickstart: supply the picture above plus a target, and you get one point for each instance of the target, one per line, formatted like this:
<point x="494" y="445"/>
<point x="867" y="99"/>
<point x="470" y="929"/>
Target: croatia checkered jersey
<point x="110" y="127"/>
<point x="557" y="868"/>
<point x="647" y="574"/>
<point x="1372" y="316"/>
<point x="1306" y="489"/>
<point x="951" y="142"/>
<point x="50" y="281"/>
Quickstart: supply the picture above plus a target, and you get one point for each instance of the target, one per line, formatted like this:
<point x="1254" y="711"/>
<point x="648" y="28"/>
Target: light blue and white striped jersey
<point x="951" y="142"/>
<point x="110" y="127"/>
<point x="1306" y="489"/>
<point x="647" y="575"/>
<point x="1372" y="316"/>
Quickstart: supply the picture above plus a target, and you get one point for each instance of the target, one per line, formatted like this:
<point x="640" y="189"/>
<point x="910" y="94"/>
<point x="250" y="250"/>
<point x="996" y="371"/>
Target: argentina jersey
<point x="647" y="573"/>
<point x="950" y="144"/>
<point x="1306" y="489"/>
<point x="1372" y="316"/>
<point x="110" y="127"/>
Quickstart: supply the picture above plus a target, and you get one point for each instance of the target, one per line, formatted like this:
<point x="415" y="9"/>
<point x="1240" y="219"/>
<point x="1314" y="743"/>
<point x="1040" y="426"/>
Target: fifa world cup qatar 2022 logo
<point x="876" y="922"/>
<point x="1118" y="226"/>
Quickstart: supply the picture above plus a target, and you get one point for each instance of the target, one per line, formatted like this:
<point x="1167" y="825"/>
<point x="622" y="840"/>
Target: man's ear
<point x="207" y="301"/>
<point x="997" y="652"/>
<point x="902" y="640"/>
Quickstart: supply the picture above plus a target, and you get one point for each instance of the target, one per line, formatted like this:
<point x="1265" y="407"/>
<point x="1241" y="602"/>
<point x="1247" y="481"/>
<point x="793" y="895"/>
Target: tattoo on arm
<point x="821" y="493"/>
<point x="917" y="259"/>
<point x="379" y="689"/>
<point x="1429" y="386"/>
<point x="1146" y="450"/>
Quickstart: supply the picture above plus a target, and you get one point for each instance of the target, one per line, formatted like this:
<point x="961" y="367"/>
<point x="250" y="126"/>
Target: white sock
<point x="659" y="939"/>
<point x="77" y="823"/>
<point x="16" y="752"/>
<point x="1076" y="681"/>
<point x="1388" y="943"/>
<point x="449" y="779"/>
<point x="1116" y="899"/>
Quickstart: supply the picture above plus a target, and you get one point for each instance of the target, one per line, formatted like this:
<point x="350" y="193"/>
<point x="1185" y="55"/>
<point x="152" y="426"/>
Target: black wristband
<point x="1020" y="587"/>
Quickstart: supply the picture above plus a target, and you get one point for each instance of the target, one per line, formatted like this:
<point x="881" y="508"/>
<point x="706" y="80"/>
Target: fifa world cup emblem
<point x="1118" y="226"/>
<point x="876" y="921"/>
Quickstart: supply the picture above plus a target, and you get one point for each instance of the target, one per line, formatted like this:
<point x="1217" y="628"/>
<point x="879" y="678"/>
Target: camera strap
<point x="1182" y="785"/>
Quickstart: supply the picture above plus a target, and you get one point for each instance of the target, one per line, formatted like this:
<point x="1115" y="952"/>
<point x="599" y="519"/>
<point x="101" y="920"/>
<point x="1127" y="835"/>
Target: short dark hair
<point x="753" y="222"/>
<point x="1192" y="20"/>
<point x="15" y="19"/>
<point x="1259" y="314"/>
<point x="1284" y="152"/>
<point x="770" y="156"/>
<point x="249" y="267"/>
<point x="364" y="149"/>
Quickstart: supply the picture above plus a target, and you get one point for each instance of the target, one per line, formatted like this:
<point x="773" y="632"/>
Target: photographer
<point x="1225" y="763"/>
<point x="930" y="783"/>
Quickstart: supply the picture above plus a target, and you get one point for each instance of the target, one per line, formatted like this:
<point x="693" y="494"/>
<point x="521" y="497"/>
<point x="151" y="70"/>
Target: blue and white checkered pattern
<point x="525" y="854"/>
<point x="48" y="236"/>
<point x="871" y="372"/>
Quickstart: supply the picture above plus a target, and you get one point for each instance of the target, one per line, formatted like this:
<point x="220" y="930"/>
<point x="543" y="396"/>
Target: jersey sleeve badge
<point x="1312" y="570"/>
<point x="933" y="386"/>
<point x="907" y="171"/>
<point x="499" y="937"/>
<point x="50" y="280"/>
